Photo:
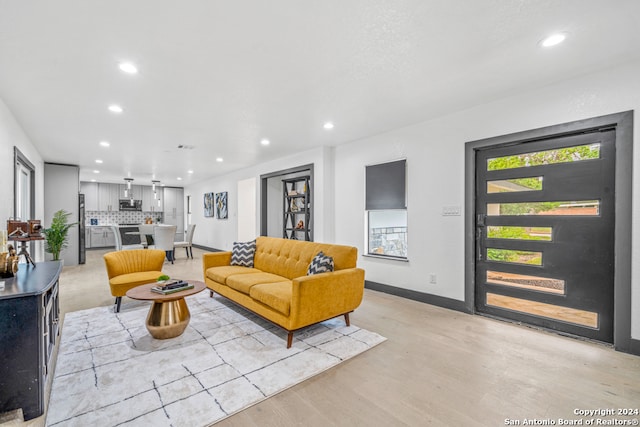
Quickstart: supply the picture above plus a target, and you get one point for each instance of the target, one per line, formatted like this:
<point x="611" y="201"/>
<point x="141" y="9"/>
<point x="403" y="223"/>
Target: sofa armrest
<point x="215" y="259"/>
<point x="326" y="295"/>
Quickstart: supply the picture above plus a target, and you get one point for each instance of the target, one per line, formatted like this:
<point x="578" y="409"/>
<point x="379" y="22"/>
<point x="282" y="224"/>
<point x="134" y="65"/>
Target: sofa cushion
<point x="242" y="253"/>
<point x="122" y="283"/>
<point x="275" y="295"/>
<point x="220" y="274"/>
<point x="244" y="282"/>
<point x="321" y="263"/>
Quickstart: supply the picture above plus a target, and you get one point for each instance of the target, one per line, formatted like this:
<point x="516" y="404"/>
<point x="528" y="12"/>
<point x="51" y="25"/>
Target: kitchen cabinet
<point x="29" y="333"/>
<point x="174" y="209"/>
<point x="108" y="197"/>
<point x="149" y="204"/>
<point x="102" y="237"/>
<point x="90" y="191"/>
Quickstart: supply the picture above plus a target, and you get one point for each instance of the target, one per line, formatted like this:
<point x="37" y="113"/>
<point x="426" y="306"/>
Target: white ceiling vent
<point x="186" y="147"/>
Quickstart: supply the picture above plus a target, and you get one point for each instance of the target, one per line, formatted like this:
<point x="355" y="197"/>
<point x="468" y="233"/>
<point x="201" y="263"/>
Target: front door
<point x="545" y="233"/>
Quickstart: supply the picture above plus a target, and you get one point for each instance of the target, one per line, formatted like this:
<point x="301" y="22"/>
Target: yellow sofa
<point x="128" y="269"/>
<point x="278" y="289"/>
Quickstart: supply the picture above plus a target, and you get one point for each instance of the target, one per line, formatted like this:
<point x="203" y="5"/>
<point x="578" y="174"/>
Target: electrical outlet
<point x="433" y="279"/>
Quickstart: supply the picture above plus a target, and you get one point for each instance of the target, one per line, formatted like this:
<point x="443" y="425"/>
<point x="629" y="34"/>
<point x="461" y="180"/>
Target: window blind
<point x="386" y="185"/>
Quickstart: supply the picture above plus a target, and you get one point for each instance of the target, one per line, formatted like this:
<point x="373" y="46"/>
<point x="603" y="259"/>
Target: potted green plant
<point x="56" y="235"/>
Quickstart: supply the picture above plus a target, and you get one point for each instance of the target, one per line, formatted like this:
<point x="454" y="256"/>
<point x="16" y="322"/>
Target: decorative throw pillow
<point x="242" y="253"/>
<point x="321" y="263"/>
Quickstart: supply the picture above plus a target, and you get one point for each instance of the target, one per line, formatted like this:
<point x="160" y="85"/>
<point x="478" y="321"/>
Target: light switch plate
<point x="451" y="210"/>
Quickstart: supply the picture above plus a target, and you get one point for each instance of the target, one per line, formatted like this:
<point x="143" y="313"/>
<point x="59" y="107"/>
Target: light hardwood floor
<point x="438" y="367"/>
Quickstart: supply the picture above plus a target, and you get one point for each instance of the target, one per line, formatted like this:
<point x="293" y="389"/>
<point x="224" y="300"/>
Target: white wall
<point x="11" y="134"/>
<point x="435" y="167"/>
<point x="62" y="185"/>
<point x="221" y="234"/>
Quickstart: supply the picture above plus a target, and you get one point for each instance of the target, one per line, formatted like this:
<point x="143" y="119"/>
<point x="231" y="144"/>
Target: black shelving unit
<point x="297" y="209"/>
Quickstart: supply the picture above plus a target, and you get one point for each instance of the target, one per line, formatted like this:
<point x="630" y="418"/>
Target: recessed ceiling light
<point x="179" y="178"/>
<point x="219" y="159"/>
<point x="128" y="67"/>
<point x="553" y="40"/>
<point x="328" y="125"/>
<point x="93" y="180"/>
<point x="104" y="143"/>
<point x="98" y="161"/>
<point x="114" y="108"/>
<point x="265" y="141"/>
<point x="189" y="171"/>
<point x="96" y="171"/>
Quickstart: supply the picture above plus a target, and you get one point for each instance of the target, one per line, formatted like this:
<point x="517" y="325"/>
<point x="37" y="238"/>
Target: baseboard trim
<point x="207" y="248"/>
<point x="436" y="300"/>
<point x="634" y="347"/>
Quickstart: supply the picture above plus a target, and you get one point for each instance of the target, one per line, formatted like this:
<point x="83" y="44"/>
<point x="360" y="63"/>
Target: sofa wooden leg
<point x="210" y="294"/>
<point x="117" y="303"/>
<point x="346" y="319"/>
<point x="289" y="339"/>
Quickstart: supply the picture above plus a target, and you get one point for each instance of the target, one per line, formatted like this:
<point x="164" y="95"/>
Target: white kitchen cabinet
<point x="149" y="204"/>
<point x="108" y="197"/>
<point x="174" y="209"/>
<point x="90" y="191"/>
<point x="102" y="237"/>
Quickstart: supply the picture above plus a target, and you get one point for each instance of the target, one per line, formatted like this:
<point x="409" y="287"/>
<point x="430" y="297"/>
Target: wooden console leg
<point x="346" y="319"/>
<point x="289" y="339"/>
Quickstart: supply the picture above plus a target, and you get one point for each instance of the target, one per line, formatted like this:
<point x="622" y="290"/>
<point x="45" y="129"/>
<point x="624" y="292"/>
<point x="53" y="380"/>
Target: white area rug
<point x="110" y="371"/>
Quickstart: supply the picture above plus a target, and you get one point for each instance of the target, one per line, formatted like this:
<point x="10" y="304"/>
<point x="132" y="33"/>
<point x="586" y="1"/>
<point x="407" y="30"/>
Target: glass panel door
<point x="545" y="233"/>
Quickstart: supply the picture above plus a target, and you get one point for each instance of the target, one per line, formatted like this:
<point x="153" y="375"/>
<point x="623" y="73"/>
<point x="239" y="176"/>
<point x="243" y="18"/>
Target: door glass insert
<point x="519" y="233"/>
<point x="515" y="185"/>
<point x="549" y="157"/>
<point x="540" y="309"/>
<point x="570" y="208"/>
<point x="534" y="283"/>
<point x="515" y="257"/>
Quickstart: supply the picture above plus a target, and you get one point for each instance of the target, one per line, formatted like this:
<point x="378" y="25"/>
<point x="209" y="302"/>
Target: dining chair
<point x="188" y="243"/>
<point x="146" y="233"/>
<point x="163" y="238"/>
<point x="119" y="245"/>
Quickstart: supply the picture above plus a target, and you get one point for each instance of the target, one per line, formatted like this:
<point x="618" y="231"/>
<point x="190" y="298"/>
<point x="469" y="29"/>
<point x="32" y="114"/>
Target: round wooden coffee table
<point x="169" y="315"/>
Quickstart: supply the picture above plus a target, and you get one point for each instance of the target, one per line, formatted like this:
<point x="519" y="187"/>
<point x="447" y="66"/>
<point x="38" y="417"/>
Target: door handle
<point x="480" y="224"/>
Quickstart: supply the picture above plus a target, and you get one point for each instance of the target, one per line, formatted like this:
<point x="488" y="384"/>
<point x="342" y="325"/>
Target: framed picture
<point x="208" y="204"/>
<point x="221" y="205"/>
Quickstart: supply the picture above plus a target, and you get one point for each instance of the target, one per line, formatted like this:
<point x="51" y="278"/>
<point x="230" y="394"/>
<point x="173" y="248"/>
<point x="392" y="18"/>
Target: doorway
<point x="547" y="228"/>
<point x="272" y="216"/>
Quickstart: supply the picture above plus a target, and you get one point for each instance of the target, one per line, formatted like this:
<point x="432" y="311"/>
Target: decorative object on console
<point x="242" y="253"/>
<point x="17" y="228"/>
<point x="221" y="205"/>
<point x="208" y="205"/>
<point x="8" y="262"/>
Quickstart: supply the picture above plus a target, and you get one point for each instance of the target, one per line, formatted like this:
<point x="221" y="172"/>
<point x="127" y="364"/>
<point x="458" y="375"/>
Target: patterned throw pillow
<point x="321" y="263"/>
<point x="242" y="253"/>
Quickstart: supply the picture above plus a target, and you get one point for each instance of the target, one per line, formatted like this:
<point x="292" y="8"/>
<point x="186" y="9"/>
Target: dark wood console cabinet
<point x="29" y="334"/>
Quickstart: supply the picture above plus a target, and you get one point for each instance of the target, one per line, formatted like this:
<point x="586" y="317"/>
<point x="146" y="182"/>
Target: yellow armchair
<point x="128" y="269"/>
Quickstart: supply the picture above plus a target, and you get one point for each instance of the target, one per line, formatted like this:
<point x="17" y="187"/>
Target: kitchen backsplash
<point x="120" y="217"/>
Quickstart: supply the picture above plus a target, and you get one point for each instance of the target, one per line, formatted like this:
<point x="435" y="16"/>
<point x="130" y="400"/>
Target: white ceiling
<point x="222" y="75"/>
